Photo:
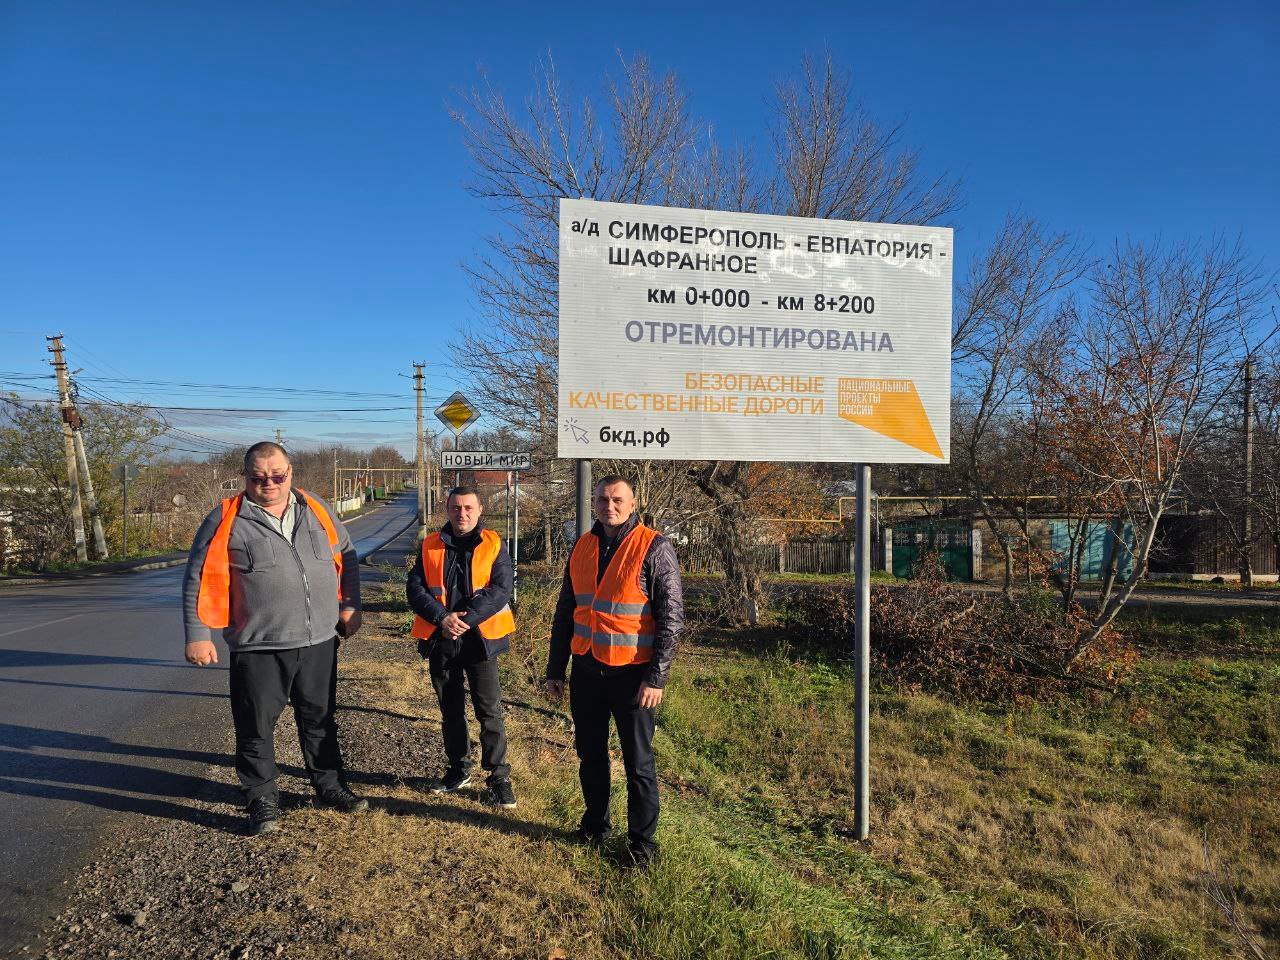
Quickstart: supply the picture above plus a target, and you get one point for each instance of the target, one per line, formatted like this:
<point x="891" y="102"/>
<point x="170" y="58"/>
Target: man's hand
<point x="454" y="626"/>
<point x="202" y="653"/>
<point x="649" y="697"/>
<point x="555" y="689"/>
<point x="348" y="622"/>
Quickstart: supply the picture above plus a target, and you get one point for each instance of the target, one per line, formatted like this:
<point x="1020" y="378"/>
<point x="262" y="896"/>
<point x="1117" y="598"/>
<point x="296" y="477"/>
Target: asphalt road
<point x="102" y="723"/>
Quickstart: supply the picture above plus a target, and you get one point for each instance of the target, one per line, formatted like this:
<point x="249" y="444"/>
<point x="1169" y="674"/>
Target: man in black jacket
<point x="460" y="589"/>
<point x="620" y="614"/>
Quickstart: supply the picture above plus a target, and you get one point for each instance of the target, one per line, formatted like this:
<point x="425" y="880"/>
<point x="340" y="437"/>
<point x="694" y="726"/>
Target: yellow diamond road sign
<point x="457" y="413"/>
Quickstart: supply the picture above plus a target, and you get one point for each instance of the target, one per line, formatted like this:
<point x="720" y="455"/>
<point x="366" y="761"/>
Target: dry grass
<point x="1056" y="838"/>
<point x="421" y="878"/>
<point x="1069" y="830"/>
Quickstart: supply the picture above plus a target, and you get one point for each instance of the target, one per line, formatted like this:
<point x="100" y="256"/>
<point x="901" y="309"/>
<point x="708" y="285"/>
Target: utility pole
<point x="91" y="498"/>
<point x="418" y="387"/>
<point x="75" y="457"/>
<point x="335" y="479"/>
<point x="1246" y="506"/>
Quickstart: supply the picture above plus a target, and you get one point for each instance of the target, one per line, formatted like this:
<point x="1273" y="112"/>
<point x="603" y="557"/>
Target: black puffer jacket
<point x="659" y="581"/>
<point x="476" y="606"/>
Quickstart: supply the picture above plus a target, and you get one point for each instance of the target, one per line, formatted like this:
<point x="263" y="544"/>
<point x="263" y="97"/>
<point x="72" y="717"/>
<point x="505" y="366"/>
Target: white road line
<point x="35" y="626"/>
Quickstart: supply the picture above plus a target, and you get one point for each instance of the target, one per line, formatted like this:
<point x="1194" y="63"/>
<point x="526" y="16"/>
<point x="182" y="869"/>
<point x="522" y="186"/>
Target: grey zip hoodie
<point x="283" y="594"/>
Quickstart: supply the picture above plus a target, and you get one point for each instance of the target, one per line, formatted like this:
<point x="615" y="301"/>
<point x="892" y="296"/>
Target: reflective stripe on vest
<point x="612" y="620"/>
<point x="213" y="604"/>
<point x="502" y="623"/>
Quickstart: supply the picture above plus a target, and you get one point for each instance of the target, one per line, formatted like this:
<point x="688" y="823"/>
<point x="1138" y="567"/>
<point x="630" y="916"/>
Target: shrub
<point x="936" y="635"/>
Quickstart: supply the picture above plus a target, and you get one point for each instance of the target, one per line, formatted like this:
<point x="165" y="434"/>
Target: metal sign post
<point x="125" y="472"/>
<point x="515" y="542"/>
<point x="508" y="492"/>
<point x="862" y="655"/>
<point x="584" y="497"/>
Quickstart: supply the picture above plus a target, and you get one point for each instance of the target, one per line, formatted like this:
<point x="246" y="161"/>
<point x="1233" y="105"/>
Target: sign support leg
<point x="584" y="497"/>
<point x="862" y="654"/>
<point x="515" y="540"/>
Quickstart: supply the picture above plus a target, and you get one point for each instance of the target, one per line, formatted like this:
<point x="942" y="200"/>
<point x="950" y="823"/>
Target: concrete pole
<point x="422" y="467"/>
<point x="90" y="499"/>
<point x="73" y="481"/>
<point x="69" y="448"/>
<point x="71" y="415"/>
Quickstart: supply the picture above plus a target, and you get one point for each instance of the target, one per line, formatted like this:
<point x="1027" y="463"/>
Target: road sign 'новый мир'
<point x="484" y="460"/>
<point x="699" y="335"/>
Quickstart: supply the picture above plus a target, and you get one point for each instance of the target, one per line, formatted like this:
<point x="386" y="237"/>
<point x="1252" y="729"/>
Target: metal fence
<point x="818" y="556"/>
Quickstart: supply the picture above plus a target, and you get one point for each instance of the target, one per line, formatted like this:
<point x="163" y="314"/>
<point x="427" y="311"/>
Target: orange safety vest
<point x="611" y="619"/>
<point x="213" y="605"/>
<point x="502" y="623"/>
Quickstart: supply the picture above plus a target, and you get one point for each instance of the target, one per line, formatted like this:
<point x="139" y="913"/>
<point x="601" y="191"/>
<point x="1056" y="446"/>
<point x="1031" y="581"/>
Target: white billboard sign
<point x="700" y="335"/>
<point x="484" y="460"/>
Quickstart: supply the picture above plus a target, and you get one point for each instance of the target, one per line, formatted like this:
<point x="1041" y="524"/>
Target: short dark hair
<point x="613" y="478"/>
<point x="465" y="490"/>
<point x="261" y="450"/>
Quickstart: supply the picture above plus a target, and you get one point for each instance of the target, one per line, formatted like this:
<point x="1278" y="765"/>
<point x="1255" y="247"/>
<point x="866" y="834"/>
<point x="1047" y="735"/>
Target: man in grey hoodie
<point x="275" y="573"/>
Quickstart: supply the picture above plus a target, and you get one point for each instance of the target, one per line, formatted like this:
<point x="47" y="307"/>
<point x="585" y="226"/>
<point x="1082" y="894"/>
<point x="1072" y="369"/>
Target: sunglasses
<point x="276" y="478"/>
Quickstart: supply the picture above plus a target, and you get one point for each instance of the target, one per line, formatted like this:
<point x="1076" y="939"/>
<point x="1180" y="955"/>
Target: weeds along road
<point x="102" y="723"/>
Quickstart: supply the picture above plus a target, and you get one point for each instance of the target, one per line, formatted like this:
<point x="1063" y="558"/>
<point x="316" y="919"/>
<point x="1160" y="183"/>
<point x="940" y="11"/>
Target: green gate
<point x="950" y="540"/>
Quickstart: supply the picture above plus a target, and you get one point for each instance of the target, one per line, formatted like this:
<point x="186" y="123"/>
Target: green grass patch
<point x="1082" y="826"/>
<point x="1202" y="630"/>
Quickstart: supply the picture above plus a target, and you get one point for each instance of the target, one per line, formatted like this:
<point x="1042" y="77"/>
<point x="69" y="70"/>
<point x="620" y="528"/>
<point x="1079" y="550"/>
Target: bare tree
<point x="1149" y="366"/>
<point x="523" y="161"/>
<point x="1007" y="315"/>
<point x="830" y="159"/>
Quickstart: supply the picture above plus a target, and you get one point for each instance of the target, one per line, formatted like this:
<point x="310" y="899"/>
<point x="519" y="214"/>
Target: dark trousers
<point x="261" y="684"/>
<point x="597" y="693"/>
<point x="456" y="666"/>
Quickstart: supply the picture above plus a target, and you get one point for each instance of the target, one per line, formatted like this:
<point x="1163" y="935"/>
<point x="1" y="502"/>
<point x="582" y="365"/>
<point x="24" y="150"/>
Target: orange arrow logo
<point x="889" y="407"/>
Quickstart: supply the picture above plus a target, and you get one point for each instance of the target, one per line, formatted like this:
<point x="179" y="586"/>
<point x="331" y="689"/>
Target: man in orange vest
<point x="460" y="589"/>
<point x="619" y="616"/>
<point x="274" y="572"/>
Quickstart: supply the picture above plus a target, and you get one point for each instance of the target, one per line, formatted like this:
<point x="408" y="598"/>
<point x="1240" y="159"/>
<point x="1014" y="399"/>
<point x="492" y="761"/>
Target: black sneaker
<point x="340" y="798"/>
<point x="264" y="814"/>
<point x="501" y="794"/>
<point x="452" y="781"/>
<point x="641" y="858"/>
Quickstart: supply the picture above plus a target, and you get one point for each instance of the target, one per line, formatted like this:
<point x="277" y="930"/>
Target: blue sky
<point x="272" y="194"/>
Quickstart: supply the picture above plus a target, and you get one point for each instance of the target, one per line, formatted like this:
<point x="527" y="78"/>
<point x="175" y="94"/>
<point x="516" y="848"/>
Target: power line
<point x="223" y="387"/>
<point x="215" y="446"/>
<point x="271" y="411"/>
